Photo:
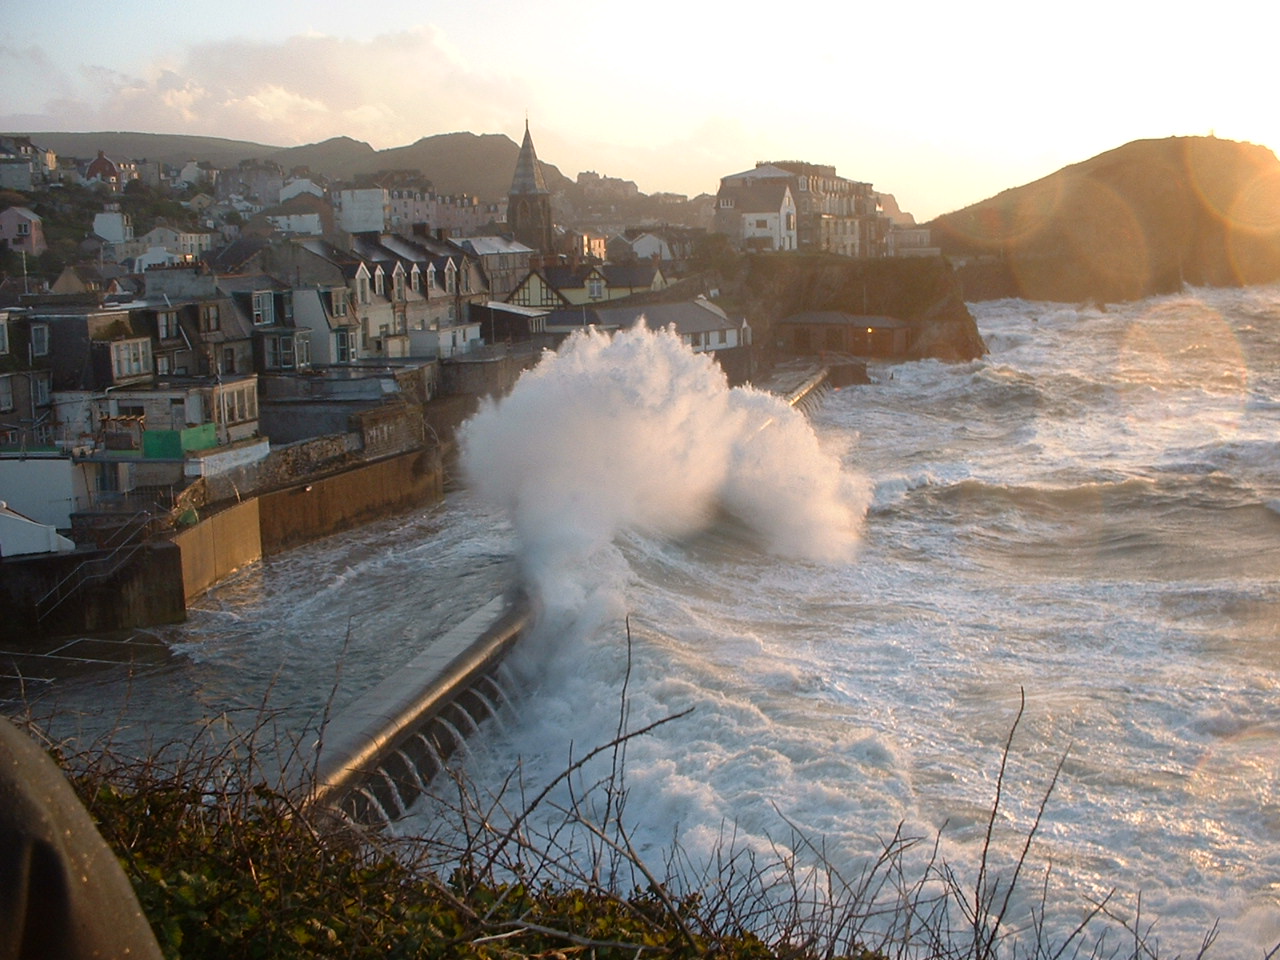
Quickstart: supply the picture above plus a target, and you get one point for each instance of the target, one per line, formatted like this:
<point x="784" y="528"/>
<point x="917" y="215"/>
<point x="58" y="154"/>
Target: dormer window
<point x="726" y="203"/>
<point x="338" y="298"/>
<point x="451" y="278"/>
<point x="415" y="279"/>
<point x="595" y="287"/>
<point x="397" y="284"/>
<point x="262" y="308"/>
<point x="377" y="282"/>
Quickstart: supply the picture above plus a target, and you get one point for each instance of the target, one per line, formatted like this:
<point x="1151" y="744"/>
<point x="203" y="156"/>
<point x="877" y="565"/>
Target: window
<point x="39" y="339"/>
<point x="362" y="289"/>
<point x="726" y="203"/>
<point x="262" y="312"/>
<point x="209" y="319"/>
<point x="287" y="352"/>
<point x="228" y="360"/>
<point x="342" y="346"/>
<point x="450" y="278"/>
<point x="162" y="364"/>
<point x="24" y="228"/>
<point x="415" y="279"/>
<point x="397" y="285"/>
<point x="168" y="323"/>
<point x="762" y="224"/>
<point x="723" y="337"/>
<point x="377" y="282"/>
<point x="4" y="335"/>
<point x="131" y="358"/>
<point x="595" y="288"/>
<point x="6" y="394"/>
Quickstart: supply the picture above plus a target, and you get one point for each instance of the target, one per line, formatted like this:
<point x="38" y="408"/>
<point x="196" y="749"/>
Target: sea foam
<point x="634" y="431"/>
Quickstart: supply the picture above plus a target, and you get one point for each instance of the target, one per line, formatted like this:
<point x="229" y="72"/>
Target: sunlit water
<point x="1089" y="517"/>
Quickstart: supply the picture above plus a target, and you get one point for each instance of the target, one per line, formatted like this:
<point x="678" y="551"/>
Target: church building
<point x="529" y="201"/>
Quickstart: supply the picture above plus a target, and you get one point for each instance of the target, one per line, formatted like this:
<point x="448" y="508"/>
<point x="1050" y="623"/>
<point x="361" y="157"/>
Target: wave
<point x="635" y="432"/>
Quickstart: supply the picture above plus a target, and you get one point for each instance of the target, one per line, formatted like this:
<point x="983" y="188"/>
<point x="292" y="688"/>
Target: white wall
<point x="46" y="489"/>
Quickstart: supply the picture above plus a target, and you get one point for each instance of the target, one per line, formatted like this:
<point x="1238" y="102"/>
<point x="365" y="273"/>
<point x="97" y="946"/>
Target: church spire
<point x="529" y="202"/>
<point x="528" y="178"/>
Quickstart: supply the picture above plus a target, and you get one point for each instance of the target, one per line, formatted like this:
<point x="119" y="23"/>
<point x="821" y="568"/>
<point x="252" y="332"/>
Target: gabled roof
<point x="767" y="172"/>
<point x="767" y="196"/>
<point x="528" y="177"/>
<point x="24" y="212"/>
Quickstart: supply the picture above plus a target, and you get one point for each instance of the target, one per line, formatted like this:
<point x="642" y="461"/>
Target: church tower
<point x="529" y="201"/>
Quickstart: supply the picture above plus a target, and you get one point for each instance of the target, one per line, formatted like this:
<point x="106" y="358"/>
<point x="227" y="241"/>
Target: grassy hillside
<point x="478" y="164"/>
<point x="1135" y="221"/>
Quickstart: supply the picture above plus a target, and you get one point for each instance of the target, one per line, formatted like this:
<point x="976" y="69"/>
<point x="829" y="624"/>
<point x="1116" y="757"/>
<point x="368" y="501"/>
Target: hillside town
<point x="177" y="340"/>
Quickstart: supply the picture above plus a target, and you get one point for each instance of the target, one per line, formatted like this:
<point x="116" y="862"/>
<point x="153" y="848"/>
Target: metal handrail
<point x="77" y="572"/>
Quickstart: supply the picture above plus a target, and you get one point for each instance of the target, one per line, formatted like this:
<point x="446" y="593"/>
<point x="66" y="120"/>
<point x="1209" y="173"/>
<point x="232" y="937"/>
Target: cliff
<point x="921" y="291"/>
<point x="1136" y="221"/>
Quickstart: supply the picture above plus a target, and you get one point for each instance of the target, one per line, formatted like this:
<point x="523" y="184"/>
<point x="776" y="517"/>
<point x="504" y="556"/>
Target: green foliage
<point x="245" y="873"/>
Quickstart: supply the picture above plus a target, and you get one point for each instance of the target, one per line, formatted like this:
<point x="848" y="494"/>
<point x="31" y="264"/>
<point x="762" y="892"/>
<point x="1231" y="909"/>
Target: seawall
<point x="375" y="757"/>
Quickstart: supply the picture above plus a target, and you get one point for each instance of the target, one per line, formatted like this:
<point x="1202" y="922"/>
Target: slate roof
<point x="639" y="274"/>
<point x="688" y="316"/>
<point x="528" y="177"/>
<point x="235" y="255"/>
<point x="764" y="197"/>
<point x="486" y="246"/>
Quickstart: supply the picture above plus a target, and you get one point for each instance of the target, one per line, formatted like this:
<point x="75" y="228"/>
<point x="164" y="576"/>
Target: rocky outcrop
<point x="922" y="291"/>
<point x="1139" y="220"/>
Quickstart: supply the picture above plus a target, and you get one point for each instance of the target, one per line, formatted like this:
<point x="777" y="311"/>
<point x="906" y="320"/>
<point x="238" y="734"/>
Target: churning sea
<point x="1075" y="539"/>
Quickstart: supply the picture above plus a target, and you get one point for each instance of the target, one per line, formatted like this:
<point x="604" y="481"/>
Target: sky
<point x="939" y="104"/>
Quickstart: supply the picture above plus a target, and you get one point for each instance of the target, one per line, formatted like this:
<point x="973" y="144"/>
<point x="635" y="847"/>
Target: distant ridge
<point x="1139" y="220"/>
<point x="478" y="164"/>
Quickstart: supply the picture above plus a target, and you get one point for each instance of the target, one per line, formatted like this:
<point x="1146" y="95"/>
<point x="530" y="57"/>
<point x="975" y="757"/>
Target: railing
<point x="97" y="568"/>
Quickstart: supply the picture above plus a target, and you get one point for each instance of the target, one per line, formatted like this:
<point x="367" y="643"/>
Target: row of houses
<point x="792" y="205"/>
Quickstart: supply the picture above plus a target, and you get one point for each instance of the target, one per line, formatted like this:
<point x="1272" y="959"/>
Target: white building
<point x="362" y="210"/>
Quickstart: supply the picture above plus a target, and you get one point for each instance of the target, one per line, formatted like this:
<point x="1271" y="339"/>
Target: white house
<point x="112" y="225"/>
<point x="757" y="214"/>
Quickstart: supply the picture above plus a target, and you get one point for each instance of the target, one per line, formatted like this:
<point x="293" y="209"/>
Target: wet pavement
<point x="30" y="670"/>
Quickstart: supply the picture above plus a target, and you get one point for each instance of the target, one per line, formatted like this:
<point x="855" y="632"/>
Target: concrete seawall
<point x="375" y="757"/>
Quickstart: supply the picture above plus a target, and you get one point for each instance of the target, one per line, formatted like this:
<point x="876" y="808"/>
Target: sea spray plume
<point x="635" y="432"/>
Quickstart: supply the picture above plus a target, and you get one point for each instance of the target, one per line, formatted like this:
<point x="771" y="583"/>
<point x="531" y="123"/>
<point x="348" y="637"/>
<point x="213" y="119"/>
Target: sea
<point x="1017" y="618"/>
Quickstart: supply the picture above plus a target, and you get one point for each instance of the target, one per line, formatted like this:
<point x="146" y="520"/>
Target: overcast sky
<point x="940" y="104"/>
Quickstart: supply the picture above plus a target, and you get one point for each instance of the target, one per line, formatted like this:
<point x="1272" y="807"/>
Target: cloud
<point x="388" y="90"/>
